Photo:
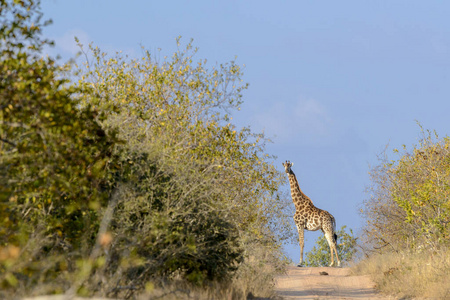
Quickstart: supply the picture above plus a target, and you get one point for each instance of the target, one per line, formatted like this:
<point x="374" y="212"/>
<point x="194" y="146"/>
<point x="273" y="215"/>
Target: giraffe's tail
<point x="334" y="229"/>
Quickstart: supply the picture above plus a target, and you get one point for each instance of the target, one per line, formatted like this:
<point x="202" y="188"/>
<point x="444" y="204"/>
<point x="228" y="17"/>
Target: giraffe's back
<point x="315" y="219"/>
<point x="328" y="221"/>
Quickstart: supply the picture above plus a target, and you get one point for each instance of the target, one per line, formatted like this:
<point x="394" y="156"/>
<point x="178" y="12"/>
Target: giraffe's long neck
<point x="298" y="197"/>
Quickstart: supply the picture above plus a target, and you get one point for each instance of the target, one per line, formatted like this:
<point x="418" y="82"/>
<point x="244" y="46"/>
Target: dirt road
<point x="307" y="283"/>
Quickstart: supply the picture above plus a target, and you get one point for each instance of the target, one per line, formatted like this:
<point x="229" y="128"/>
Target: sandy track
<point x="307" y="283"/>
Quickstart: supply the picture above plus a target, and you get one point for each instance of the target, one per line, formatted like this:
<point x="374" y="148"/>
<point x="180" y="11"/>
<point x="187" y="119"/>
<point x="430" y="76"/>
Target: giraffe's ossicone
<point x="309" y="217"/>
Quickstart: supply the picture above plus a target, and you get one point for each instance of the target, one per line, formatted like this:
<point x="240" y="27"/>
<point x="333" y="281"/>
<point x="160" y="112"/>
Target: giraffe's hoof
<point x="335" y="265"/>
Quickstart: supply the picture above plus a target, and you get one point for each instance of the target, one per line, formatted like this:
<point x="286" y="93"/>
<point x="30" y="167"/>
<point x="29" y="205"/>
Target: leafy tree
<point x="320" y="253"/>
<point x="21" y="28"/>
<point x="53" y="155"/>
<point x="202" y="193"/>
<point x="410" y="202"/>
<point x="131" y="177"/>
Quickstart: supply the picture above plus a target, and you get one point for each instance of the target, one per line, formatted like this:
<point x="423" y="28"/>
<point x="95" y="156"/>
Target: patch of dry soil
<point x="308" y="283"/>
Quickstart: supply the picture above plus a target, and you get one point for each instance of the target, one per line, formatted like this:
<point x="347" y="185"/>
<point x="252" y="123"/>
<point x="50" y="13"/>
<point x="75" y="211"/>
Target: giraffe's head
<point x="287" y="166"/>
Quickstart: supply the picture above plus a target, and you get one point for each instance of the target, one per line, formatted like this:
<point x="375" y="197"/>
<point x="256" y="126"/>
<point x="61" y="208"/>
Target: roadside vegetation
<point x="319" y="256"/>
<point x="127" y="177"/>
<point x="407" y="234"/>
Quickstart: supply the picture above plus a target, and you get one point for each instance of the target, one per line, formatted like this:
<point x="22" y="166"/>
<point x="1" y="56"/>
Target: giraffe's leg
<point x="301" y="241"/>
<point x="331" y="244"/>
<point x="330" y="236"/>
<point x="335" y="250"/>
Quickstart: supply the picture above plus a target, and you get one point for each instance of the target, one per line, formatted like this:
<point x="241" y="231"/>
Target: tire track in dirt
<point x="307" y="283"/>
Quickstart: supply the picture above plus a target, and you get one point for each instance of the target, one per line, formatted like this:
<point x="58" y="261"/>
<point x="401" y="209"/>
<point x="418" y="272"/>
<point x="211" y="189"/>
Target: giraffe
<point x="309" y="217"/>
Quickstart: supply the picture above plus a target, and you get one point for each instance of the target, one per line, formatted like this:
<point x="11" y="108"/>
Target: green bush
<point x="131" y="179"/>
<point x="197" y="192"/>
<point x="319" y="255"/>
<point x="53" y="157"/>
<point x="409" y="207"/>
<point x="407" y="234"/>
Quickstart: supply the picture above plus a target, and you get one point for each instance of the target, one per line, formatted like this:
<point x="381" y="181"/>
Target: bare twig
<point x="8" y="142"/>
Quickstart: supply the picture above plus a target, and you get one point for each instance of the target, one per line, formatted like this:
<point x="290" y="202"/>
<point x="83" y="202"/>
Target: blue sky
<point x="331" y="82"/>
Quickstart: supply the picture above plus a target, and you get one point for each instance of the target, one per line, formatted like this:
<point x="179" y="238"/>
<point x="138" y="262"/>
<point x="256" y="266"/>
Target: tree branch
<point x="8" y="142"/>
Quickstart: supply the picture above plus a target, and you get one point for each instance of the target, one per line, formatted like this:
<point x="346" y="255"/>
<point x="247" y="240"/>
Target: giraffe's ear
<point x="283" y="164"/>
<point x="292" y="164"/>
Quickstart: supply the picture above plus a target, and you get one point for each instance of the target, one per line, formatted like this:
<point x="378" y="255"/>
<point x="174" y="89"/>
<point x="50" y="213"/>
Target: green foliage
<point x="130" y="178"/>
<point x="421" y="187"/>
<point x="181" y="109"/>
<point x="410" y="206"/>
<point x="201" y="192"/>
<point x="408" y="220"/>
<point x="53" y="156"/>
<point x="320" y="254"/>
<point x="21" y="27"/>
<point x="161" y="229"/>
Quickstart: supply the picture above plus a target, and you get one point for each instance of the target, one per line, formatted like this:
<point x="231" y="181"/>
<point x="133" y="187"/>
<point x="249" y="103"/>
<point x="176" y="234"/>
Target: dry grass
<point x="248" y="285"/>
<point x="254" y="279"/>
<point x="181" y="291"/>
<point x="419" y="274"/>
<point x="261" y="287"/>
